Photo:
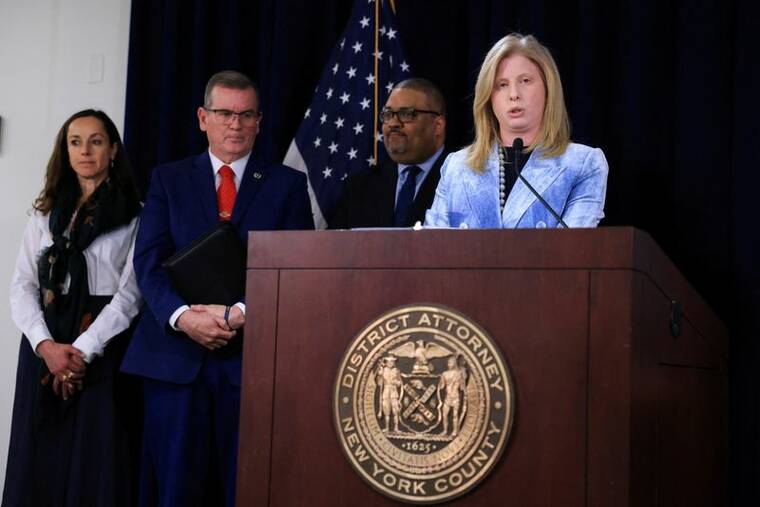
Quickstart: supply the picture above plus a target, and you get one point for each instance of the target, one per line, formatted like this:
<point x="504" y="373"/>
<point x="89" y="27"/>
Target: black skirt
<point x="81" y="452"/>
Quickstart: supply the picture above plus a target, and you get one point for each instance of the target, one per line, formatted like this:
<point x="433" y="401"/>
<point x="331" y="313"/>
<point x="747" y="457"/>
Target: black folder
<point x="211" y="269"/>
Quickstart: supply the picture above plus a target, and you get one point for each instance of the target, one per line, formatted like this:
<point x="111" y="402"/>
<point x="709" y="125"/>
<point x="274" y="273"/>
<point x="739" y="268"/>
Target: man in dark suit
<point x="398" y="193"/>
<point x="189" y="356"/>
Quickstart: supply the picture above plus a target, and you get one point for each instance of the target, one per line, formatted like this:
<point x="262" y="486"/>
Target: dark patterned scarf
<point x="107" y="208"/>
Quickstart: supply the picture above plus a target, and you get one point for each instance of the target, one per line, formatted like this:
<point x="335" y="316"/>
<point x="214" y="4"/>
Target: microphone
<point x="517" y="146"/>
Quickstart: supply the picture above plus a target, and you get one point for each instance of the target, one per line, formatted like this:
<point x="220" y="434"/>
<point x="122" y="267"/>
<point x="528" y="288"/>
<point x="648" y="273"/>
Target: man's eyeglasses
<point x="404" y="114"/>
<point x="225" y="116"/>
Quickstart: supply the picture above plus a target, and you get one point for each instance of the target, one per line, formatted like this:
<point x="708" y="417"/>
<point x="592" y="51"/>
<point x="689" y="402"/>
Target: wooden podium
<point x="612" y="407"/>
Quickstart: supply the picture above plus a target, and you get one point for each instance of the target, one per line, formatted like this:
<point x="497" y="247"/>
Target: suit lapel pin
<point x="257" y="175"/>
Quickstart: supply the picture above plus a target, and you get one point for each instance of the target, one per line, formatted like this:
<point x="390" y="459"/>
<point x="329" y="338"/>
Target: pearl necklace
<point x="502" y="172"/>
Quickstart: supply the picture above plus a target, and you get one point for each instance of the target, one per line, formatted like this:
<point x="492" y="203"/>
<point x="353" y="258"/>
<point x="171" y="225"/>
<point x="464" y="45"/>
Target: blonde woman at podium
<point x="521" y="171"/>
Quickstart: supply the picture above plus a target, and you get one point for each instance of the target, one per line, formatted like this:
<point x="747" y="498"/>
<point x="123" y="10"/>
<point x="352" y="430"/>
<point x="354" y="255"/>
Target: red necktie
<point x="225" y="196"/>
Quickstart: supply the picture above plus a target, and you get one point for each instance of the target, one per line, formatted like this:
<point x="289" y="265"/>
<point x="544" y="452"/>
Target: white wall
<point x="50" y="54"/>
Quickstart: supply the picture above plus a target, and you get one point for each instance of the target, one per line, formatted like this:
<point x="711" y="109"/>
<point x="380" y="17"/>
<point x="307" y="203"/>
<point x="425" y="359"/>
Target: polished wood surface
<point x="611" y="409"/>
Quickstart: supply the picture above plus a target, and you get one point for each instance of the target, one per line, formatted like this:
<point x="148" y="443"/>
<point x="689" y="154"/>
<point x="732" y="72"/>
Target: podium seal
<point x="423" y="404"/>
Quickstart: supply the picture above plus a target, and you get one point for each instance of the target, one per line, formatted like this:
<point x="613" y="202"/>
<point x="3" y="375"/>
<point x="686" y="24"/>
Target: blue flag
<point x="340" y="132"/>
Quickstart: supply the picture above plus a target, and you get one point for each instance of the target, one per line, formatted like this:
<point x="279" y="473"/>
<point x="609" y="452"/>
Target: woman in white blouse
<point x="74" y="295"/>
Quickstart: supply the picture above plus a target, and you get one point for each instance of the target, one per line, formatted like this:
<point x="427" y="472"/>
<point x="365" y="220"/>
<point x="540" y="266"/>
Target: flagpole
<point x="377" y="78"/>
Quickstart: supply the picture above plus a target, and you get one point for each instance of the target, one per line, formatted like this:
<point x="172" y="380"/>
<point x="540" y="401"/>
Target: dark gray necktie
<point x="406" y="197"/>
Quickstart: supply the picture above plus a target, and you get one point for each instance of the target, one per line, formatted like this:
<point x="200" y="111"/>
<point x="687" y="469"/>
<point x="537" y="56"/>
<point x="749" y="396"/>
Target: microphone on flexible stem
<point x="517" y="147"/>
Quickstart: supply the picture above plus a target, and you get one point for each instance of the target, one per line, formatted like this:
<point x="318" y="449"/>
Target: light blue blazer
<point x="574" y="183"/>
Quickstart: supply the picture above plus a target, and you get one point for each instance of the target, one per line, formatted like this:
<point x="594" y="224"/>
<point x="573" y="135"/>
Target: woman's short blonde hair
<point x="554" y="135"/>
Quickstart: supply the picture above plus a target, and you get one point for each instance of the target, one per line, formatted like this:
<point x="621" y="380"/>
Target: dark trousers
<point x="190" y="440"/>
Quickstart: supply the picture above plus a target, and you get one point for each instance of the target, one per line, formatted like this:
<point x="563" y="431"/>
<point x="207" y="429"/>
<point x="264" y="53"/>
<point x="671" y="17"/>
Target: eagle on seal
<point x="422" y="353"/>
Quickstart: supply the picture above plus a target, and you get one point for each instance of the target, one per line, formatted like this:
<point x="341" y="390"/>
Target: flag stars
<point x="339" y="159"/>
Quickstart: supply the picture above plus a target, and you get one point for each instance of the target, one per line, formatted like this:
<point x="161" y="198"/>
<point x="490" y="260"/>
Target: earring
<point x="111" y="163"/>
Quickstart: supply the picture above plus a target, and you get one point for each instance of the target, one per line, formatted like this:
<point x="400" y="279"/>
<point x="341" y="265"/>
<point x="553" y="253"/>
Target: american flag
<point x="340" y="132"/>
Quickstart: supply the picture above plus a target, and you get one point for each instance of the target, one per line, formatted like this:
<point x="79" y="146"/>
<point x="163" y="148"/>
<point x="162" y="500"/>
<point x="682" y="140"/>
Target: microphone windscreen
<point x="517" y="144"/>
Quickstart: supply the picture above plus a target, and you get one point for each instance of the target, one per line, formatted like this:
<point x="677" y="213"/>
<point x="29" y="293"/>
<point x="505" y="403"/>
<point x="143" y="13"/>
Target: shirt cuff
<point x="38" y="334"/>
<point x="35" y="341"/>
<point x="175" y="316"/>
<point x="85" y="344"/>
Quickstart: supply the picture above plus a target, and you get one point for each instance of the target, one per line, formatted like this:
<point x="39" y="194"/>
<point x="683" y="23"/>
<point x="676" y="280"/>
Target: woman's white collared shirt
<point x="109" y="272"/>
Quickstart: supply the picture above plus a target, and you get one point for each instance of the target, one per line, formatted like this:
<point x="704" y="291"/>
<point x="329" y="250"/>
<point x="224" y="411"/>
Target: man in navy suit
<point x="398" y="193"/>
<point x="189" y="355"/>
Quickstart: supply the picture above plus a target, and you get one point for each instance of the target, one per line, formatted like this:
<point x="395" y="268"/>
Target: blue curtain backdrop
<point x="668" y="89"/>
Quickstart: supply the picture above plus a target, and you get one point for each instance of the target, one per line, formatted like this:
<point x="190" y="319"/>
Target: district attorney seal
<point x="423" y="403"/>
